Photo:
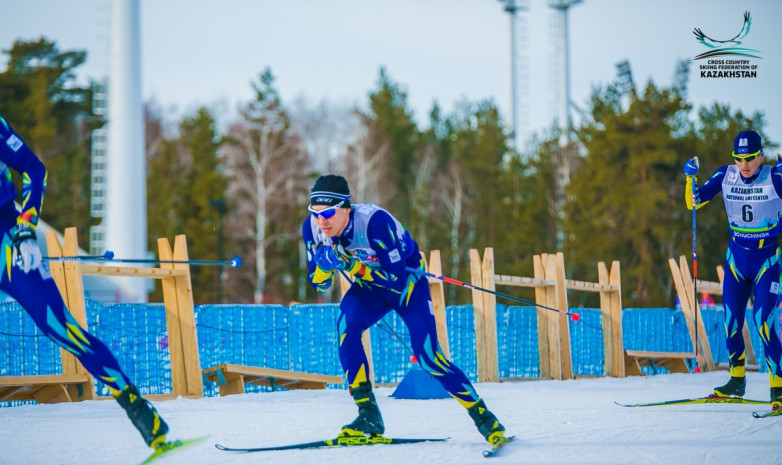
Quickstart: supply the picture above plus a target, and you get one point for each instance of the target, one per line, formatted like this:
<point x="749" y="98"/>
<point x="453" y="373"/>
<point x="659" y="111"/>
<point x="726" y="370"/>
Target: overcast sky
<point x="197" y="52"/>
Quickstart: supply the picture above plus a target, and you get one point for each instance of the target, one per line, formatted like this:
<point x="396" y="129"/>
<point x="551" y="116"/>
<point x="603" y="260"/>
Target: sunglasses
<point x="326" y="213"/>
<point x="747" y="158"/>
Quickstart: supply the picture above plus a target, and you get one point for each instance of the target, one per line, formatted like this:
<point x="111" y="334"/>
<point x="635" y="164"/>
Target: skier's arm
<point x="706" y="192"/>
<point x="776" y="175"/>
<point x="389" y="249"/>
<point x="18" y="156"/>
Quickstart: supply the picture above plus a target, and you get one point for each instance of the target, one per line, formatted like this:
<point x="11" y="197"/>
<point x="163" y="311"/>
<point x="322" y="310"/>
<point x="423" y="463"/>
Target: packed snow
<point x="555" y="422"/>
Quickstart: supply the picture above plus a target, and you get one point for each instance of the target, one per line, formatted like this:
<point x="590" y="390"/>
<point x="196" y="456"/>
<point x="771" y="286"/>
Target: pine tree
<point x="40" y="98"/>
<point x="391" y="128"/>
<point x="623" y="202"/>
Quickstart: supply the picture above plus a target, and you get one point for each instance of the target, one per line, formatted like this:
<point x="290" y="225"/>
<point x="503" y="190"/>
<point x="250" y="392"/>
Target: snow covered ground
<point x="555" y="422"/>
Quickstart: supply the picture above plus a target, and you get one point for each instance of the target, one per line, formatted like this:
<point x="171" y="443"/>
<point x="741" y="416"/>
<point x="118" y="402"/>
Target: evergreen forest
<point x="610" y="188"/>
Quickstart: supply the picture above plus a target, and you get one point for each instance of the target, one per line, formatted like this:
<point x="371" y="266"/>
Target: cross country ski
<point x="343" y="441"/>
<point x="698" y="400"/>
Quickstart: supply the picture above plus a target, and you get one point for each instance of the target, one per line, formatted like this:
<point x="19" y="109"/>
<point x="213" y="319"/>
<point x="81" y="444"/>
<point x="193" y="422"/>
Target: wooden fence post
<point x="563" y="319"/>
<point x="476" y="279"/>
<point x="437" y="292"/>
<point x="542" y="298"/>
<point x="611" y="319"/>
<point x="490" y="317"/>
<point x="552" y="322"/>
<point x="180" y="319"/>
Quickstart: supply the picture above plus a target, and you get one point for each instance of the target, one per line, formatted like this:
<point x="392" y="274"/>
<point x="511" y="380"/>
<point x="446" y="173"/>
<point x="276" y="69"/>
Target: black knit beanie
<point x="330" y="190"/>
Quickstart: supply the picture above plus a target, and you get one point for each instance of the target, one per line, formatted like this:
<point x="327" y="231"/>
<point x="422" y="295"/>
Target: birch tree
<point x="264" y="163"/>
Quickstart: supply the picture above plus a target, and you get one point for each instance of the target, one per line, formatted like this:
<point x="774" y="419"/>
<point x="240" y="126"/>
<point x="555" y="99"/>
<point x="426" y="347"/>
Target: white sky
<point x="199" y="52"/>
<point x="555" y="422"/>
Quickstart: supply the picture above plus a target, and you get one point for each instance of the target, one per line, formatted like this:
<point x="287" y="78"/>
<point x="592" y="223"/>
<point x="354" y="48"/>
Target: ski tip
<point x="495" y="449"/>
<point x="175" y="445"/>
<point x="772" y="413"/>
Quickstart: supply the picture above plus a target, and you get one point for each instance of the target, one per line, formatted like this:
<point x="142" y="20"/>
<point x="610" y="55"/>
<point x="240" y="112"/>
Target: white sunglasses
<point x="326" y="213"/>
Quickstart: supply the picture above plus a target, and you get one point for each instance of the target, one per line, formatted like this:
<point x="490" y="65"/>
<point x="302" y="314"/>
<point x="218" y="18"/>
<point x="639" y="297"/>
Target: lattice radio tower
<point x="519" y="66"/>
<point x="562" y="58"/>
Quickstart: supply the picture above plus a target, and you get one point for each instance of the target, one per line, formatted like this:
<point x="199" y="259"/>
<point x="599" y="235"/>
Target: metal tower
<point x="563" y="65"/>
<point x="519" y="66"/>
<point x="126" y="191"/>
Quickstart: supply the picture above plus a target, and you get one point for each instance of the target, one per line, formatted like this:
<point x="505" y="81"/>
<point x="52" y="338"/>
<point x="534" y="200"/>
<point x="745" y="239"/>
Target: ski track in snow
<point x="555" y="422"/>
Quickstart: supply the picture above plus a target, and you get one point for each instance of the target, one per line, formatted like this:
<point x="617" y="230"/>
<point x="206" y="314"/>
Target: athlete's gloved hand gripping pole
<point x="330" y="258"/>
<point x="26" y="254"/>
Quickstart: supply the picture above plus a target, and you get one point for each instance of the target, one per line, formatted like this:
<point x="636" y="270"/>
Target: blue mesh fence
<point x="517" y="342"/>
<point x="313" y="339"/>
<point x="136" y="334"/>
<point x="254" y="335"/>
<point x="461" y="339"/>
<point x="24" y="349"/>
<point x="586" y="342"/>
<point x="304" y="338"/>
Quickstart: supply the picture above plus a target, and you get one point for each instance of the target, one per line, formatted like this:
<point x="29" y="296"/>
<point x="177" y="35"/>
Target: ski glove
<point x="692" y="166"/>
<point x="327" y="259"/>
<point x="779" y="163"/>
<point x="26" y="254"/>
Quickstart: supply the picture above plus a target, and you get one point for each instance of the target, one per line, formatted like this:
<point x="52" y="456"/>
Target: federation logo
<point x="727" y="47"/>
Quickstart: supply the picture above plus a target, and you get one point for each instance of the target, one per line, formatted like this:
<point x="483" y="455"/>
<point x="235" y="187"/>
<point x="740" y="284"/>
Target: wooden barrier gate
<point x="682" y="280"/>
<point x="551" y="286"/>
<point x="75" y="383"/>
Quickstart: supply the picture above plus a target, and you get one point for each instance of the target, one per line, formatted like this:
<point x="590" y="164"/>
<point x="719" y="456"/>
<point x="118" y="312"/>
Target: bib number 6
<point x="746" y="213"/>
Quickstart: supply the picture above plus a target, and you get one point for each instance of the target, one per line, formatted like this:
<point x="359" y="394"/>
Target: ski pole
<point x="573" y="315"/>
<point x="695" y="269"/>
<point x="106" y="256"/>
<point x="235" y="262"/>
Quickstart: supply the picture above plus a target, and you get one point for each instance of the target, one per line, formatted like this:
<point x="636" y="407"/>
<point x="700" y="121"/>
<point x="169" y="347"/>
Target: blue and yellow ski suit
<point x="382" y="250"/>
<point x="752" y="262"/>
<point x="36" y="291"/>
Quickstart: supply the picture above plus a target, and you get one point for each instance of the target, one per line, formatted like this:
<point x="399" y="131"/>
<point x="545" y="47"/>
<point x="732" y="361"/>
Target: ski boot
<point x="733" y="388"/>
<point x="776" y="398"/>
<point x="143" y="416"/>
<point x="487" y="423"/>
<point x="736" y="385"/>
<point x="369" y="421"/>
